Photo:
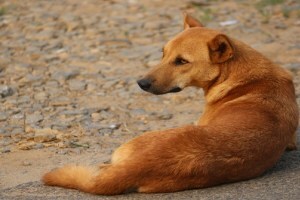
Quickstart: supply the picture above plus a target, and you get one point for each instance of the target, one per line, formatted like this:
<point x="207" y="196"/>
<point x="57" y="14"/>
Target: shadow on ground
<point x="281" y="182"/>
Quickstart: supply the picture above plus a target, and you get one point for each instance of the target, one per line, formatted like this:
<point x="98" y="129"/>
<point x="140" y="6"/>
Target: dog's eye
<point x="180" y="61"/>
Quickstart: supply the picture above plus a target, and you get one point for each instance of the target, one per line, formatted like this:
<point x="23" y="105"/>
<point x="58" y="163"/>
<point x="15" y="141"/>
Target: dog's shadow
<point x="289" y="161"/>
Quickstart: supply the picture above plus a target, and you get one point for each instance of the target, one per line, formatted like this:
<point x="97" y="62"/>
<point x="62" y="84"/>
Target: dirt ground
<point x="68" y="71"/>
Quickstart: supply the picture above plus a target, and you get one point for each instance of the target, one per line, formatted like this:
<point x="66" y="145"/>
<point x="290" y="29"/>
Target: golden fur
<point x="250" y="118"/>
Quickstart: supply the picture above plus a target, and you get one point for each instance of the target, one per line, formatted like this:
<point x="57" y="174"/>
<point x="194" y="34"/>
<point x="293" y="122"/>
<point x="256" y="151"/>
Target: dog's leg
<point x="292" y="145"/>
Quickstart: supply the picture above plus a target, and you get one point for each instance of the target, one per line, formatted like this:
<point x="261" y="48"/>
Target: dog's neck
<point x="230" y="76"/>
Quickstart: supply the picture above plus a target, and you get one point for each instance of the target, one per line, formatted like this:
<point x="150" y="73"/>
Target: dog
<point x="249" y="119"/>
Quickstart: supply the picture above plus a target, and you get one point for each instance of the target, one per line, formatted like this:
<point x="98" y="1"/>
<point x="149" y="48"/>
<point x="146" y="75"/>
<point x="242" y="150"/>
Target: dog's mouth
<point x="157" y="92"/>
<point x="174" y="90"/>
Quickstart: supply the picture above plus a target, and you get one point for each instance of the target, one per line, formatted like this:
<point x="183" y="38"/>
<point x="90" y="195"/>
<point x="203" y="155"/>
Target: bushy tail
<point x="75" y="177"/>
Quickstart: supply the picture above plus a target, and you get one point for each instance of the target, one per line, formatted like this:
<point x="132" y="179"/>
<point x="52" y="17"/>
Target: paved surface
<point x="282" y="182"/>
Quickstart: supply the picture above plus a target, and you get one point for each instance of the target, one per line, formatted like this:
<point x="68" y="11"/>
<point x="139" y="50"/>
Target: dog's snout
<point x="145" y="84"/>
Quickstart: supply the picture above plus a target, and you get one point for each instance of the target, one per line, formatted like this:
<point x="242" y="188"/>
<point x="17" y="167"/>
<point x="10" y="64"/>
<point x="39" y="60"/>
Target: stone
<point x="96" y="116"/>
<point x="75" y="112"/>
<point x="114" y="126"/>
<point x="17" y="130"/>
<point x="26" y="163"/>
<point x="3" y="116"/>
<point x="34" y="118"/>
<point x="27" y="145"/>
<point x="77" y="85"/>
<point x="41" y="96"/>
<point x="45" y="135"/>
<point x="60" y="101"/>
<point x="165" y="115"/>
<point x="138" y="112"/>
<point x="3" y="131"/>
<point x="38" y="146"/>
<point x="63" y="76"/>
<point x="5" y="150"/>
<point x="106" y="131"/>
<point x="6" y="91"/>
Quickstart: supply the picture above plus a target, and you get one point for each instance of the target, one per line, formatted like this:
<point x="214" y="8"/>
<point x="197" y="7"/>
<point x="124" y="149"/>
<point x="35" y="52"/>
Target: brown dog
<point x="249" y="120"/>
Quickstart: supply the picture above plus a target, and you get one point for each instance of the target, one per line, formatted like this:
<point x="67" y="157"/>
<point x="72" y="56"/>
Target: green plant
<point x="262" y="7"/>
<point x="207" y="15"/>
<point x="264" y="3"/>
<point x="3" y="11"/>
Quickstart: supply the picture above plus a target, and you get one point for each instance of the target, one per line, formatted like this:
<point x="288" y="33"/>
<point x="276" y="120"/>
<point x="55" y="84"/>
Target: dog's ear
<point x="220" y="49"/>
<point x="189" y="21"/>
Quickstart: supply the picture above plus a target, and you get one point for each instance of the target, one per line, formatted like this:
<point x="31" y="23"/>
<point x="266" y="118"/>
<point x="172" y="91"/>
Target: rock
<point x="106" y="131"/>
<point x="76" y="85"/>
<point x="139" y="111"/>
<point x="62" y="152"/>
<point x="3" y="131"/>
<point x="60" y="125"/>
<point x="91" y="87"/>
<point x="29" y="78"/>
<point x="6" y="91"/>
<point x="38" y="146"/>
<point x="23" y="99"/>
<point x="165" y="115"/>
<point x="41" y="96"/>
<point x="34" y="118"/>
<point x="75" y="112"/>
<point x="280" y="25"/>
<point x="114" y="126"/>
<point x="96" y="116"/>
<point x="63" y="76"/>
<point x="5" y="141"/>
<point x="17" y="130"/>
<point x="27" y="145"/>
<point x="5" y="150"/>
<point x="60" y="101"/>
<point x="17" y="119"/>
<point x="26" y="163"/>
<point x="3" y="116"/>
<point x="45" y="135"/>
<point x="228" y="22"/>
<point x="154" y="24"/>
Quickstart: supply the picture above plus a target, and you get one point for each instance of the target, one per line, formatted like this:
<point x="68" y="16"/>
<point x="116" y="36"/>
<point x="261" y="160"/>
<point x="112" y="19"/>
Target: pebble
<point x="106" y="131"/>
<point x="34" y="118"/>
<point x="63" y="76"/>
<point x="76" y="85"/>
<point x="45" y="135"/>
<point x="27" y="145"/>
<point x="60" y="101"/>
<point x="5" y="91"/>
<point x="26" y="163"/>
<point x="165" y="115"/>
<point x="5" y="150"/>
<point x="3" y="116"/>
<point x="96" y="116"/>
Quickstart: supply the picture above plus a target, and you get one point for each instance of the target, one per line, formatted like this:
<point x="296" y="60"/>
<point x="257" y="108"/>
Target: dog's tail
<point x="75" y="177"/>
<point x="109" y="180"/>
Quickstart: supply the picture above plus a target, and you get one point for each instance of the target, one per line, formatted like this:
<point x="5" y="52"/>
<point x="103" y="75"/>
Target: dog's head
<point x="192" y="58"/>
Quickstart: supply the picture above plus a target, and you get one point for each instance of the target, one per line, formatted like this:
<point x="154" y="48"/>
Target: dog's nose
<point x="145" y="84"/>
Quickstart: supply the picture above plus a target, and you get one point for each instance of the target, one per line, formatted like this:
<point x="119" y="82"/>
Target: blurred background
<point x="68" y="69"/>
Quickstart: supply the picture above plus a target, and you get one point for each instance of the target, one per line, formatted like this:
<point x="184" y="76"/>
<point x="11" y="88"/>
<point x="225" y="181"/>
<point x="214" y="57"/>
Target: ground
<point x="68" y="92"/>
